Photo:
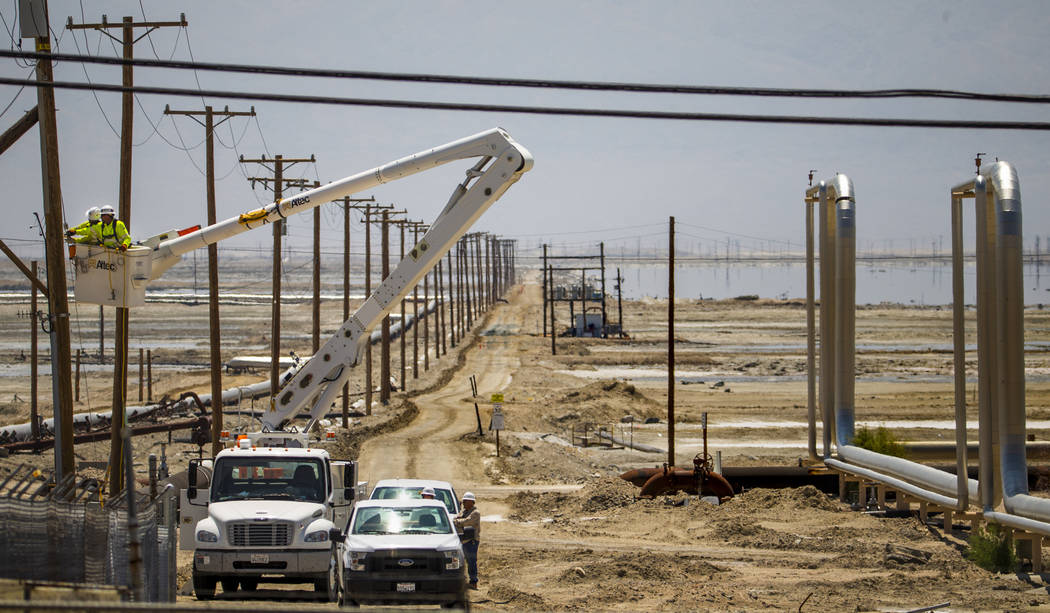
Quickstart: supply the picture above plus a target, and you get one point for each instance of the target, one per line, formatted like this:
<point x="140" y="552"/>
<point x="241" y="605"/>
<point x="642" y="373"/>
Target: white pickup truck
<point x="267" y="516"/>
<point x="402" y="551"/>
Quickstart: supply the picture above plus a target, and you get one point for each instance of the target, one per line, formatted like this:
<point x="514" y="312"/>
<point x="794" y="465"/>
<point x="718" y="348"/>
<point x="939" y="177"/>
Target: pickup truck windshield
<point x="262" y="478"/>
<point x="410" y="493"/>
<point x="401" y="520"/>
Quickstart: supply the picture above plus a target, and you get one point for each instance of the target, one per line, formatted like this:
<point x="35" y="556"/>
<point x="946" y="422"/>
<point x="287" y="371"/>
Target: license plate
<point x="406" y="587"/>
<point x="260" y="558"/>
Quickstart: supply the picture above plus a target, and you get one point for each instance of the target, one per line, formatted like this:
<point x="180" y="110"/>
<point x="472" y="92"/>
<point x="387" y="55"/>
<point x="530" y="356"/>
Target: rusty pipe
<point x="669" y="479"/>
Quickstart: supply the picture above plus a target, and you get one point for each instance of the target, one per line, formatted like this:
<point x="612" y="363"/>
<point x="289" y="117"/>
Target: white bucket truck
<point x="267" y="515"/>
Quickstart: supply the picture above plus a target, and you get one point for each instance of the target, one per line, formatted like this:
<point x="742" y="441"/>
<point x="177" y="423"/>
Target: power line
<point x="883" y="122"/>
<point x="570" y="85"/>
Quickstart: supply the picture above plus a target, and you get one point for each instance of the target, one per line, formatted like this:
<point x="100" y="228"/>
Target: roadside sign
<point x="497" y="418"/>
<point x="497" y="398"/>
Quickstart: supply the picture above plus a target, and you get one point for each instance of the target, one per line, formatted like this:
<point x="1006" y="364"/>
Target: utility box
<point x="589" y="325"/>
<point x="111" y="277"/>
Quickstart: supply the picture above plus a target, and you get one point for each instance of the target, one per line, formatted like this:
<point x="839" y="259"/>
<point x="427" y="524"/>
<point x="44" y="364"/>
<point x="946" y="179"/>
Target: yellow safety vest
<point x="114" y="234"/>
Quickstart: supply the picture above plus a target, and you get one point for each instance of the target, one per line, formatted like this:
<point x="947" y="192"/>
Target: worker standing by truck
<point x="114" y="233"/>
<point x="468" y="524"/>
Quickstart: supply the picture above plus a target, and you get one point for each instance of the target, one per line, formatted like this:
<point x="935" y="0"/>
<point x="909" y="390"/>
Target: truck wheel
<point x="228" y="585"/>
<point x="326" y="587"/>
<point x="203" y="587"/>
<point x="249" y="585"/>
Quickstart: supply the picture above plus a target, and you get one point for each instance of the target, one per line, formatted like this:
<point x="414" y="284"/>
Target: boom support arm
<point x="490" y="144"/>
<point x="502" y="162"/>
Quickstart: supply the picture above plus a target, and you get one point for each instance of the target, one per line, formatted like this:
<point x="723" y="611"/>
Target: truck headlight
<point x="357" y="560"/>
<point x="205" y="536"/>
<point x="452" y="560"/>
<point x="320" y="536"/>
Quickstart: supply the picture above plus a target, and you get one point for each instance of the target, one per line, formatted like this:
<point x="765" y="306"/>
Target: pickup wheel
<point x="203" y="587"/>
<point x="229" y="585"/>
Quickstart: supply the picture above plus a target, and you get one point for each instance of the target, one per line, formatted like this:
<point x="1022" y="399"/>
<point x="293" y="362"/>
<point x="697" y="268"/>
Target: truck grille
<point x="261" y="534"/>
<point x="407" y="560"/>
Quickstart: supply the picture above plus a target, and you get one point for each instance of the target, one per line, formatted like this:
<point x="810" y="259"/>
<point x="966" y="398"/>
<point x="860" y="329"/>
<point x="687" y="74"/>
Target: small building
<point x="589" y="325"/>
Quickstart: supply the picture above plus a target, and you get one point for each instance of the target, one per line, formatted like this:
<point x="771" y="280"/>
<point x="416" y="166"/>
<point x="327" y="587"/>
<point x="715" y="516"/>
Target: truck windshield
<point x="410" y="493"/>
<point x="268" y="478"/>
<point x="401" y="520"/>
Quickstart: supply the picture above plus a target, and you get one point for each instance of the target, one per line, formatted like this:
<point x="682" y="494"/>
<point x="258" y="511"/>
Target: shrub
<point x="992" y="549"/>
<point x="880" y="440"/>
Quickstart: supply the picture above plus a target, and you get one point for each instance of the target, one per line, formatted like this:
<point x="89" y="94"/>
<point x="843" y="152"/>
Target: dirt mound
<point x="503" y="593"/>
<point x="602" y="401"/>
<point x="787" y="499"/>
<point x="604" y="493"/>
<point x="598" y="495"/>
<point x="637" y="566"/>
<point x="530" y="461"/>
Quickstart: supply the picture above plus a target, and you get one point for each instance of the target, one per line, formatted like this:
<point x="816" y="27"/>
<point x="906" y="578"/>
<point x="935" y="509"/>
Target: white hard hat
<point x="469" y="496"/>
<point x="107" y="210"/>
<point x="93" y="214"/>
<point x="427" y="491"/>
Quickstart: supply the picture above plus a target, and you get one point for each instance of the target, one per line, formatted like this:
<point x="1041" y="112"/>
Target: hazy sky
<point x="594" y="179"/>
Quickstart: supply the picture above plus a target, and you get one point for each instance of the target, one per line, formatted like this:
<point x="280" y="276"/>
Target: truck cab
<point x="267" y="516"/>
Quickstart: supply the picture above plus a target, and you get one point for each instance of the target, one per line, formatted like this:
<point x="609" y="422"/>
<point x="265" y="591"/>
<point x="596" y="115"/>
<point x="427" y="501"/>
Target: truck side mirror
<point x="336" y="535"/>
<point x="191" y="475"/>
<point x="349" y="480"/>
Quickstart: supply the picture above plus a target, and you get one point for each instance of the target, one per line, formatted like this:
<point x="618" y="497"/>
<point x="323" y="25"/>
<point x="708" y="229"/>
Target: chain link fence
<point x="64" y="533"/>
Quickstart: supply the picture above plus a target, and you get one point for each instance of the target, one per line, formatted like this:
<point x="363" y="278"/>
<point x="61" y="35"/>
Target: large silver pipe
<point x="827" y="314"/>
<point x="811" y="335"/>
<point x="987" y="383"/>
<point x="845" y="271"/>
<point x="959" y="342"/>
<point x="919" y="480"/>
<point x="1002" y="179"/>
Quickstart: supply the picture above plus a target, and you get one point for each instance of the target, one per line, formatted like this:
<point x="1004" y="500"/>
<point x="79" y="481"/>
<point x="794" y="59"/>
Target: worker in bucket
<point x="90" y="231"/>
<point x="468" y="524"/>
<point x="114" y="233"/>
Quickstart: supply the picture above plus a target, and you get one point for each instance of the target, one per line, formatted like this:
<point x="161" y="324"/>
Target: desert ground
<point x="561" y="531"/>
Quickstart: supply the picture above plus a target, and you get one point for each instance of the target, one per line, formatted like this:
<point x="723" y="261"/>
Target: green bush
<point x="992" y="549"/>
<point x="880" y="440"/>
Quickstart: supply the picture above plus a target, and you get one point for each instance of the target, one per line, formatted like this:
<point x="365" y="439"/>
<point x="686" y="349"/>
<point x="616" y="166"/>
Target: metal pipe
<point x="827" y="311"/>
<point x="838" y="287"/>
<point x="811" y="332"/>
<point x="845" y="248"/>
<point x="959" y="349"/>
<point x="1010" y="395"/>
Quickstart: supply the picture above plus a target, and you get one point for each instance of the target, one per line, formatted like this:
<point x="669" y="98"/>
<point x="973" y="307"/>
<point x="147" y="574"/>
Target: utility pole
<point x="439" y="306"/>
<point x="384" y="362"/>
<point x="401" y="225"/>
<point x="545" y="289"/>
<point x="670" y="344"/>
<point x="317" y="278"/>
<point x="34" y="422"/>
<point x="451" y="305"/>
<point x="34" y="24"/>
<point x="619" y="300"/>
<point x="214" y="335"/>
<point x="347" y="207"/>
<point x="120" y="358"/>
<point x="415" y="311"/>
<point x="604" y="321"/>
<point x="369" y="208"/>
<point x="279" y="183"/>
